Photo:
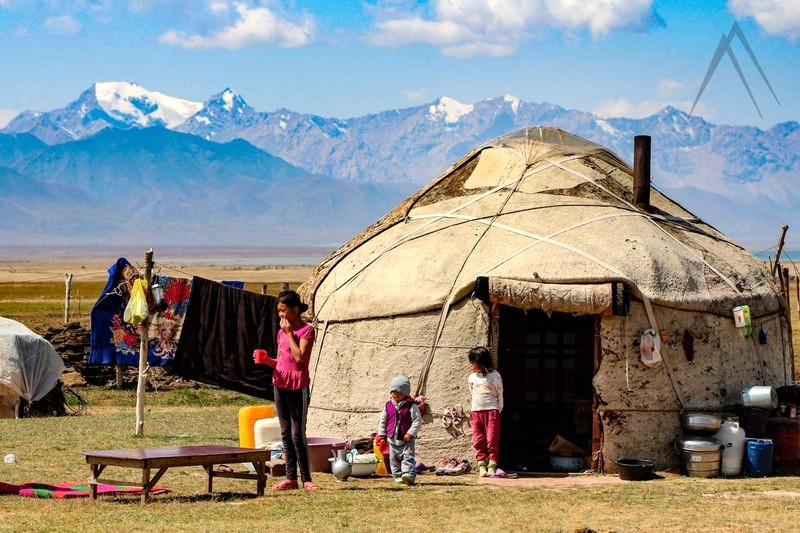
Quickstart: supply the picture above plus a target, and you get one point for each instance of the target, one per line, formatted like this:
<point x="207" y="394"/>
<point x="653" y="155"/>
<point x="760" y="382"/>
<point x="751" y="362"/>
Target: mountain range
<point x="120" y="161"/>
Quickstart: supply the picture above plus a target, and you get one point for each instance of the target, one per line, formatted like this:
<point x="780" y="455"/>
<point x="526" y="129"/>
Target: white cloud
<point x="6" y="115"/>
<point x="400" y="32"/>
<point x="465" y="28"/>
<point x="64" y="25"/>
<point x="622" y="107"/>
<point x="251" y="26"/>
<point x="479" y="48"/>
<point x="670" y="87"/>
<point x="415" y="96"/>
<point x="777" y="17"/>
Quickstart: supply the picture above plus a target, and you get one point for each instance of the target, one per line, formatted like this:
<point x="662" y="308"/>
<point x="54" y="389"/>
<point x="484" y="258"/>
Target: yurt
<point x="607" y="315"/>
<point x="29" y="367"/>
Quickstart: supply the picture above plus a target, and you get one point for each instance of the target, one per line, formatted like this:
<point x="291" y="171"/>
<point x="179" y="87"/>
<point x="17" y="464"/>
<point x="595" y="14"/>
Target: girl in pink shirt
<point x="290" y="381"/>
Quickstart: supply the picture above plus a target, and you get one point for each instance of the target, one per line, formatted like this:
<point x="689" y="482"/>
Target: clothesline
<point x="60" y="276"/>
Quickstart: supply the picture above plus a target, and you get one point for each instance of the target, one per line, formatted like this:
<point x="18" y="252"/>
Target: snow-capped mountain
<point x="111" y="104"/>
<point x="223" y="112"/>
<point x="718" y="171"/>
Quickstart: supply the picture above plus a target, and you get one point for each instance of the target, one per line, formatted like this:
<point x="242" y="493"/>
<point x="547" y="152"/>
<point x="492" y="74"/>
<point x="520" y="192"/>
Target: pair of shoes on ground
<point x="453" y="467"/>
<point x="407" y="479"/>
<point x="291" y="484"/>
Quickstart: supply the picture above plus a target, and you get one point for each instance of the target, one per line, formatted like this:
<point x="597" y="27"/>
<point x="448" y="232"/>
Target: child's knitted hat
<point x="402" y="385"/>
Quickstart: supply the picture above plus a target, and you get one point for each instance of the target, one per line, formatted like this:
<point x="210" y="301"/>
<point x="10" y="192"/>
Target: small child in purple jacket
<point x="399" y="425"/>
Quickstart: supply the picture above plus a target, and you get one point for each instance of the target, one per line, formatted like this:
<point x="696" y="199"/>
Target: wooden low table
<point x="147" y="459"/>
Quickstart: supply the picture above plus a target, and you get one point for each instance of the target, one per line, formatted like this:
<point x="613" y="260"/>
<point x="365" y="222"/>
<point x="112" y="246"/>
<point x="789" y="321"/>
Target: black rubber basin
<point x="636" y="469"/>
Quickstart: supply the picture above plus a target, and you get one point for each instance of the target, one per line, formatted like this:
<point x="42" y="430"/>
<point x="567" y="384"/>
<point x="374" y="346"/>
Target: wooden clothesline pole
<point x="143" y="342"/>
<point x="780" y="249"/>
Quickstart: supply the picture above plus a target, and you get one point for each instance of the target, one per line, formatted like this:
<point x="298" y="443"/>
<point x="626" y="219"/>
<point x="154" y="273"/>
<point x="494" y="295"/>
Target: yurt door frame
<point x="547" y="364"/>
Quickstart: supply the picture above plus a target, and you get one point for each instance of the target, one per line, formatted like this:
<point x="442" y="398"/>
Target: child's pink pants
<point x="485" y="434"/>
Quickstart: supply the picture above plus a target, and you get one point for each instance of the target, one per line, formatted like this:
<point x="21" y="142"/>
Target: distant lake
<point x="264" y="260"/>
<point x="786" y="255"/>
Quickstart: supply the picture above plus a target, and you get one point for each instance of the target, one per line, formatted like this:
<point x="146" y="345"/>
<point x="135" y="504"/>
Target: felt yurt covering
<point x="542" y="222"/>
<point x="29" y="366"/>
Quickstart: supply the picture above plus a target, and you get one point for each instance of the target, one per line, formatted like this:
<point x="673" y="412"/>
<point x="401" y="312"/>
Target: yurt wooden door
<point x="547" y="365"/>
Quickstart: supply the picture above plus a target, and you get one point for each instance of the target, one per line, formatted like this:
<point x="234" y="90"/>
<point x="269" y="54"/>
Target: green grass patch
<point x="110" y="397"/>
<point x="88" y="291"/>
<point x="31" y="308"/>
<point x="49" y="450"/>
<point x="39" y="305"/>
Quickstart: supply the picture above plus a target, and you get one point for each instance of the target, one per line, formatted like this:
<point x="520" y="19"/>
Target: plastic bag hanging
<point x="650" y="348"/>
<point x="742" y="322"/>
<point x="137" y="309"/>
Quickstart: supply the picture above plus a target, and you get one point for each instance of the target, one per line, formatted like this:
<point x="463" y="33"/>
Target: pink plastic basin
<point x="319" y="451"/>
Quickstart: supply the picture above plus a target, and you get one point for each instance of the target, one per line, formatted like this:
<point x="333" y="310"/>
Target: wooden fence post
<point x="68" y="280"/>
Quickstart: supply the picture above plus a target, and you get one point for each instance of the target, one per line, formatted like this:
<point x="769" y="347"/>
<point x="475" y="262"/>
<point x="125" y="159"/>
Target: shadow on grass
<point x="399" y="486"/>
<point x="173" y="498"/>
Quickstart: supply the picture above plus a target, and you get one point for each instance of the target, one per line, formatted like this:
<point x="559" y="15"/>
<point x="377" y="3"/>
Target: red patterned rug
<point x="70" y="490"/>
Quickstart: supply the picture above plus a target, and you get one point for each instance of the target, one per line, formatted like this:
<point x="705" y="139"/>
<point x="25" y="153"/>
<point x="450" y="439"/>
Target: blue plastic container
<point x="758" y="457"/>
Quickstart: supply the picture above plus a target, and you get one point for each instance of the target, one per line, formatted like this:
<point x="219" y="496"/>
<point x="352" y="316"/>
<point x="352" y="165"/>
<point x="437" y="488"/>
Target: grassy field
<point x="40" y="305"/>
<point x="49" y="450"/>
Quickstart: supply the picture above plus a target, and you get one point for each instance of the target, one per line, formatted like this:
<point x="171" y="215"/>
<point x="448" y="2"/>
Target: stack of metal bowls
<point x="700" y="424"/>
<point x="700" y="454"/>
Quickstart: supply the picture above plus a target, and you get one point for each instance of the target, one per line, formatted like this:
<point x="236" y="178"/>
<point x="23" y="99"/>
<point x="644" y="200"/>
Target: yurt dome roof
<point x="538" y="205"/>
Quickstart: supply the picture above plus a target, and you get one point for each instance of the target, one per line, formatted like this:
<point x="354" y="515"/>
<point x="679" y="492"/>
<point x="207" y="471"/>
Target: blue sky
<point x="349" y="58"/>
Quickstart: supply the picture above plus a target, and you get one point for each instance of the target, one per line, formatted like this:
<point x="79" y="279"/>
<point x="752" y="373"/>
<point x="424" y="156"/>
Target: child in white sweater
<point x="486" y="387"/>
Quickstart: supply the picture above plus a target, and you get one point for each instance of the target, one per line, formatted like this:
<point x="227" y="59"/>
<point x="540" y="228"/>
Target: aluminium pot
<point x="699" y="456"/>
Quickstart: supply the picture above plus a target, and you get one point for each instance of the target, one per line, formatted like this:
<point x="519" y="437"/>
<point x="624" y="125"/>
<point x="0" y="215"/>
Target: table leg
<point x="261" y="471"/>
<point x="93" y="474"/>
<point x="145" y="483"/>
<point x="209" y="477"/>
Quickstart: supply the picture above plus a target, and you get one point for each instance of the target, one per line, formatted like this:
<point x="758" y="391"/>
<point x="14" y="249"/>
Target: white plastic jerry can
<point x="266" y="430"/>
<point x="732" y="438"/>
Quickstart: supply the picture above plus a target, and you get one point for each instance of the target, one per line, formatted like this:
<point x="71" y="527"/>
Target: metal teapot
<point x="341" y="467"/>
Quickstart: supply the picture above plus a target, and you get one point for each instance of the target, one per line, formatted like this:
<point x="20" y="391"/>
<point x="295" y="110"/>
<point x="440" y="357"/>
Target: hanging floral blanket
<point x="116" y="342"/>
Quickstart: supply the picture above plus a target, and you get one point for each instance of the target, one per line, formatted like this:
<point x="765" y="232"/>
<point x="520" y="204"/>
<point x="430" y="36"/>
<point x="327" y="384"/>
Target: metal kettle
<point x="341" y="467"/>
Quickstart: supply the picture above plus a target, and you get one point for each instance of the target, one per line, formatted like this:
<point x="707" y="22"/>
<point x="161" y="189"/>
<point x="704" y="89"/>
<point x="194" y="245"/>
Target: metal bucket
<point x="765" y="397"/>
<point x="699" y="456"/>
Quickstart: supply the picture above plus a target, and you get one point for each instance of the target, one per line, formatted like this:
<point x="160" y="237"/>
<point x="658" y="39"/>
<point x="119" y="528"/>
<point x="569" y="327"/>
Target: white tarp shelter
<point x="29" y="366"/>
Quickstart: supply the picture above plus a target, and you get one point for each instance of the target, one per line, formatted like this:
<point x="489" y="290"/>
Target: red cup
<point x="260" y="356"/>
